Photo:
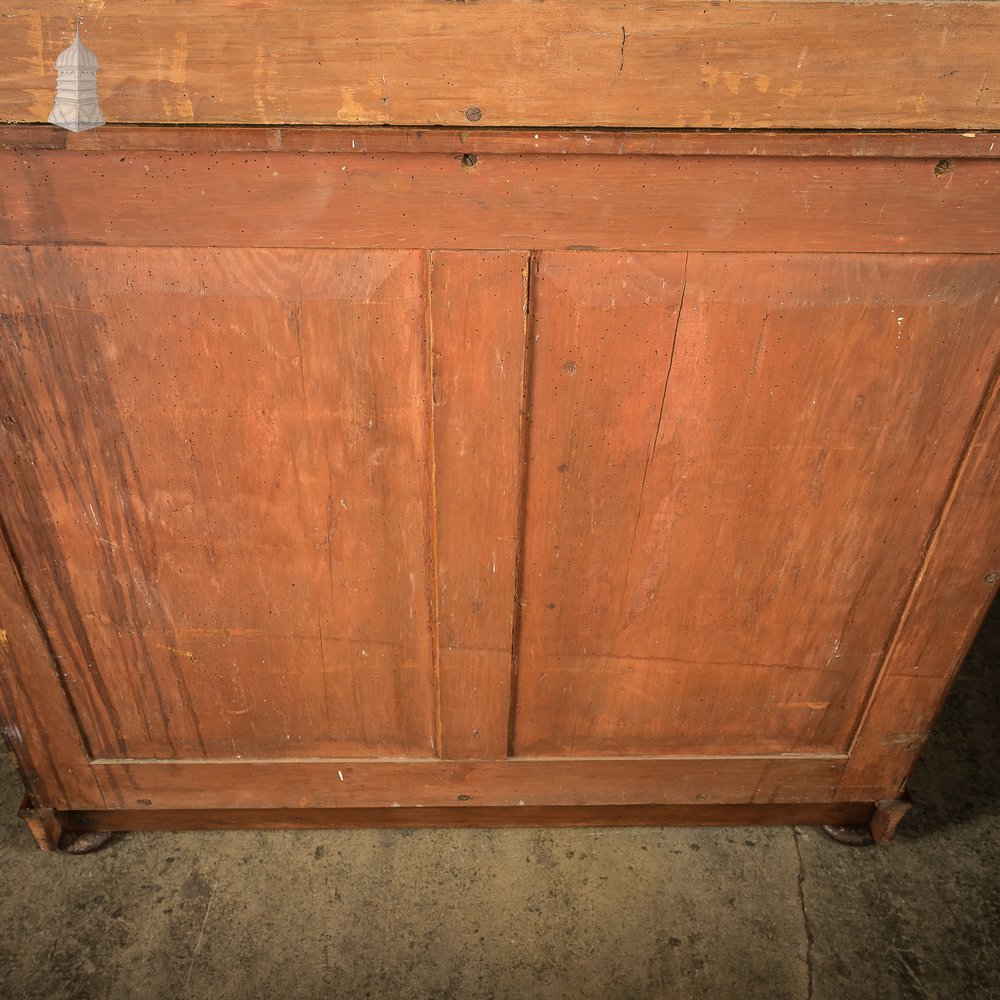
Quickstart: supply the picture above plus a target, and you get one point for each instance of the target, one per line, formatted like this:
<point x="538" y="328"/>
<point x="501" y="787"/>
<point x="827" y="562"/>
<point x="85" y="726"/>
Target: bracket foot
<point x="42" y="824"/>
<point x="881" y="828"/>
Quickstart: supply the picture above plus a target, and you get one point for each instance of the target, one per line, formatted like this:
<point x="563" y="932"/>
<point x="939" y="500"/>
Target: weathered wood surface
<point x="216" y="481"/>
<point x="957" y="583"/>
<point x="345" y="523"/>
<point x="38" y="724"/>
<point x="600" y="142"/>
<point x="727" y="506"/>
<point x="42" y="824"/>
<point x="440" y="200"/>
<point x="373" y="783"/>
<point x="645" y="63"/>
<point x="468" y="816"/>
<point x="478" y="315"/>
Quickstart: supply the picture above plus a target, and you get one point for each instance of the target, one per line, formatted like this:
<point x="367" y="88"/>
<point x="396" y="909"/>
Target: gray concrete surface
<point x="664" y="913"/>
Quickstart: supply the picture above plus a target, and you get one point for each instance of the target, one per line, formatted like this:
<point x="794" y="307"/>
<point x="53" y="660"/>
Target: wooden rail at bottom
<point x="840" y="813"/>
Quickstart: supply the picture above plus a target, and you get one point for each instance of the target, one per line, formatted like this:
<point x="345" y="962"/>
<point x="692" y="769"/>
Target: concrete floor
<point x="666" y="913"/>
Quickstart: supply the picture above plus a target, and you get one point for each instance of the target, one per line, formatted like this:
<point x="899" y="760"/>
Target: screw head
<point x="992" y="578"/>
<point x="473" y="113"/>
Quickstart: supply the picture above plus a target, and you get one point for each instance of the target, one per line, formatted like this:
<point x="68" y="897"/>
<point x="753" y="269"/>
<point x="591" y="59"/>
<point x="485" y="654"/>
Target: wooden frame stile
<point x="46" y="745"/>
<point x="953" y="591"/>
<point x="478" y="471"/>
<point x="483" y="205"/>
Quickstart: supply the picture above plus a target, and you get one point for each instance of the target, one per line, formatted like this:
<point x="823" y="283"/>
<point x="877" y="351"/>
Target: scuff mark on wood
<point x="186" y="653"/>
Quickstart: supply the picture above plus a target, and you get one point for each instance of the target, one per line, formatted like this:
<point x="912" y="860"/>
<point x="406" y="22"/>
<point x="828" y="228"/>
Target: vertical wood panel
<point x="478" y="313"/>
<point x="604" y="327"/>
<point x="956" y="586"/>
<point x="217" y="484"/>
<point x="736" y="590"/>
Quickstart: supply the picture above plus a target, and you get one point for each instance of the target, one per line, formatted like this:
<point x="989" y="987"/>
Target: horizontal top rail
<point x="501" y="63"/>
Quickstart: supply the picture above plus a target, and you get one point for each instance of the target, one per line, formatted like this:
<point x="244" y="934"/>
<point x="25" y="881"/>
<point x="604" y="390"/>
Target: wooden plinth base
<point x="48" y="826"/>
<point x="83" y="831"/>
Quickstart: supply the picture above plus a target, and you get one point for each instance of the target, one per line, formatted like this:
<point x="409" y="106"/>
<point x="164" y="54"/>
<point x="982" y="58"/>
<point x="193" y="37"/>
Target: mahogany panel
<point x="478" y="317"/>
<point x="645" y="63"/>
<point x="855" y="813"/>
<point x="957" y="584"/>
<point x="502" y="201"/>
<point x="296" y="784"/>
<point x="216" y="482"/>
<point x="726" y="510"/>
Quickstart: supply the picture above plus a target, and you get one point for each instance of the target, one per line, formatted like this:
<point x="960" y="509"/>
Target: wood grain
<point x="478" y="315"/>
<point x="216" y="480"/>
<point x="641" y="63"/>
<point x="519" y="202"/>
<point x="42" y="824"/>
<point x="477" y="816"/>
<point x="726" y="511"/>
<point x="269" y="784"/>
<point x="599" y="142"/>
<point x="37" y="722"/>
<point x="888" y="815"/>
<point x="277" y="425"/>
<point x="957" y="583"/>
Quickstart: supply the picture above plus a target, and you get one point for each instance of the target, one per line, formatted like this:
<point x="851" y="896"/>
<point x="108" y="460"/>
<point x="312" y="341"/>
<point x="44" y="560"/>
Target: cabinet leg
<point x="880" y="829"/>
<point x="42" y="825"/>
<point x="888" y="815"/>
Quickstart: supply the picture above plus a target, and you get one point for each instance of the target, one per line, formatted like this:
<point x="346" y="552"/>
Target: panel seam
<point x="527" y="361"/>
<point x="437" y="749"/>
